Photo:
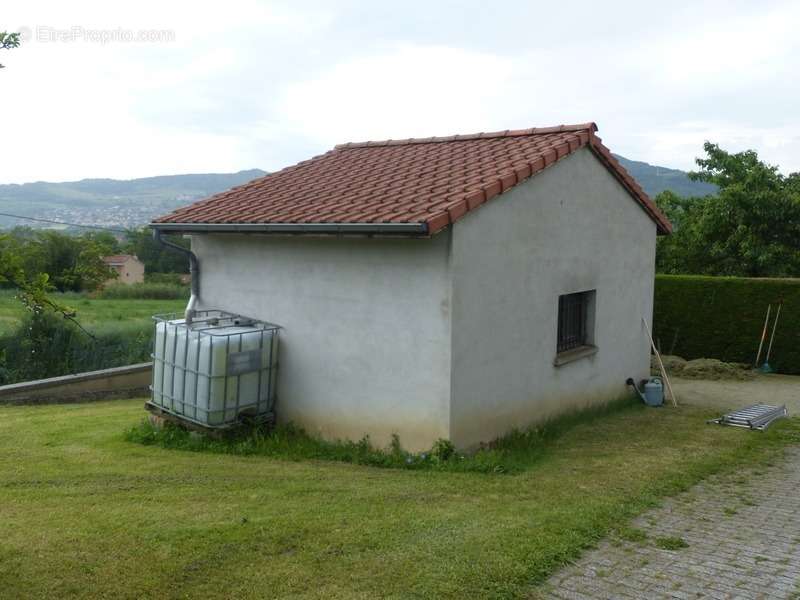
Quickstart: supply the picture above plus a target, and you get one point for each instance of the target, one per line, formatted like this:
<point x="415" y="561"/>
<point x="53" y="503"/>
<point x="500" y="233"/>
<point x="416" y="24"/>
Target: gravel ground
<point x="724" y="394"/>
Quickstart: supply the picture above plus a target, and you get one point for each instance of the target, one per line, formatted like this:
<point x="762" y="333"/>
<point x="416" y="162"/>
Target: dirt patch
<point x="702" y="368"/>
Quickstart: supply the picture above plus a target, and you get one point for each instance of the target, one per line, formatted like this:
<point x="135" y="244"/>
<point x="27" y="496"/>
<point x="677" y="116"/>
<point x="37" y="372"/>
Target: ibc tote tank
<point x="216" y="370"/>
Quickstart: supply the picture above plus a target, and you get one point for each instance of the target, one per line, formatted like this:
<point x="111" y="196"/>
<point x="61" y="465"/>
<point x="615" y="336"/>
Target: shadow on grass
<point x="512" y="453"/>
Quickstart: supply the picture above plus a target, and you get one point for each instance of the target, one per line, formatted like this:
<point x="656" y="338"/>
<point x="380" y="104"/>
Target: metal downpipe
<point x="194" y="271"/>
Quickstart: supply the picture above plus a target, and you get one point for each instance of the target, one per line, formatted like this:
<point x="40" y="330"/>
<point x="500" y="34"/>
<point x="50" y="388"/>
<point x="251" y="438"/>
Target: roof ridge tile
<point x="588" y="126"/>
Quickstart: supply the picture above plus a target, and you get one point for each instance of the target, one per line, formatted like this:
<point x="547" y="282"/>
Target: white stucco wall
<point x="365" y="347"/>
<point x="453" y="336"/>
<point x="569" y="229"/>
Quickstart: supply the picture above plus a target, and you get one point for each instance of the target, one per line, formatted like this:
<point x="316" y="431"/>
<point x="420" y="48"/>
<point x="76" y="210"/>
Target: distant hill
<point x="112" y="202"/>
<point x="135" y="202"/>
<point x="657" y="179"/>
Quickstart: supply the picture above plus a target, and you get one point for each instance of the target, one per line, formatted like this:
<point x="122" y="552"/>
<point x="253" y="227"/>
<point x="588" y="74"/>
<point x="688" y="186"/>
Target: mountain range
<point x="133" y="203"/>
<point x="111" y="202"/>
<point x="656" y="179"/>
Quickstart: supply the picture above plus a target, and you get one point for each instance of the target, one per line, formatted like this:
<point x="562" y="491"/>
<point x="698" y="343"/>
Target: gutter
<point x="413" y="229"/>
<point x="194" y="270"/>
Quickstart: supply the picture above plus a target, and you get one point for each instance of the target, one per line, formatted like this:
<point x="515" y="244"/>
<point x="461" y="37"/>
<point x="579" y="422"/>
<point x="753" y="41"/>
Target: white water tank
<point x="221" y="367"/>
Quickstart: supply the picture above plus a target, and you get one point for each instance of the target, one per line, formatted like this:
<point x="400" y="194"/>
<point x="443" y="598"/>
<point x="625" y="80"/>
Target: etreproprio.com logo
<point x="81" y="34"/>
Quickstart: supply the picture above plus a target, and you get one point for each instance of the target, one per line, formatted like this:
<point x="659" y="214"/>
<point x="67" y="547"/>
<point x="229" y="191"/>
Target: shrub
<point x="722" y="317"/>
<point x="46" y="345"/>
<point x="443" y="450"/>
<point x="144" y="291"/>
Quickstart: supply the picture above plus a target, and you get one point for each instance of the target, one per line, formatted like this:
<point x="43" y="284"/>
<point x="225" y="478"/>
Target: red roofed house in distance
<point x="128" y="267"/>
<point x="453" y="287"/>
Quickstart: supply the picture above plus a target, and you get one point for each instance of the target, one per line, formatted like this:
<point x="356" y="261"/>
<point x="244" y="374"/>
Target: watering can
<point x="653" y="394"/>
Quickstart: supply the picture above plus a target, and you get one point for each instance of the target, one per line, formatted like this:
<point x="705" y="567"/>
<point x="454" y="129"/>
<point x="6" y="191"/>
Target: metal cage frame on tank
<point x="214" y="399"/>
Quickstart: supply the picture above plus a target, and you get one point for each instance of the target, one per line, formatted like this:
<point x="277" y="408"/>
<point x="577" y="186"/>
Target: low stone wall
<point x="120" y="382"/>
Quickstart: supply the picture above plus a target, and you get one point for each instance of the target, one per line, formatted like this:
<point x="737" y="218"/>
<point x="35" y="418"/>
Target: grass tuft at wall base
<point x="512" y="453"/>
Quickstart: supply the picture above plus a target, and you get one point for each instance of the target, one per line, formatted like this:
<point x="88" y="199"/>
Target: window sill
<point x="563" y="358"/>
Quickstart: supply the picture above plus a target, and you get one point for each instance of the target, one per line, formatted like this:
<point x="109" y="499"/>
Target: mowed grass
<point x="93" y="313"/>
<point x="86" y="514"/>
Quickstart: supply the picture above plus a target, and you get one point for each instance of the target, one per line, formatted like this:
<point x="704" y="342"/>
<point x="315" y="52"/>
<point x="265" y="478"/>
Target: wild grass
<point x="119" y="333"/>
<point x="168" y="278"/>
<point x="144" y="291"/>
<point x="512" y="453"/>
<point x="46" y="345"/>
<point x="86" y="513"/>
<point x="96" y="314"/>
<point x="671" y="543"/>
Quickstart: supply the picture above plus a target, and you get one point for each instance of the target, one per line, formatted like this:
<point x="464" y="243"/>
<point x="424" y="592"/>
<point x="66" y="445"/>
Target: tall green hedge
<point x="722" y="317"/>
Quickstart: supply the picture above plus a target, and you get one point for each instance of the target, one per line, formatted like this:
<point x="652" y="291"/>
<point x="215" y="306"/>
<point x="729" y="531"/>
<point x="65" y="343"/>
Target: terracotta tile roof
<point x="118" y="259"/>
<point x="432" y="181"/>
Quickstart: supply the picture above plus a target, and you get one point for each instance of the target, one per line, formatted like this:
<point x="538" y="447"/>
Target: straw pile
<point x="702" y="368"/>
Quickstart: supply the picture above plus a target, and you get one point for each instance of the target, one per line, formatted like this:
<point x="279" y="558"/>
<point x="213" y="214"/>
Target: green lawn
<point x="83" y="513"/>
<point x="91" y="312"/>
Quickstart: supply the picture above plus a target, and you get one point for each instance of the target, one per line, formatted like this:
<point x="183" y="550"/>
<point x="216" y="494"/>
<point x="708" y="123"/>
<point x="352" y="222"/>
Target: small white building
<point x="451" y="288"/>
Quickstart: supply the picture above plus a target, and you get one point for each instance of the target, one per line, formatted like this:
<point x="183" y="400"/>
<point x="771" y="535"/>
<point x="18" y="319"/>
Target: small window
<point x="575" y="320"/>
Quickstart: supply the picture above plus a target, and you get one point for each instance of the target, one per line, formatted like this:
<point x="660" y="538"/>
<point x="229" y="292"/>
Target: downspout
<point x="194" y="271"/>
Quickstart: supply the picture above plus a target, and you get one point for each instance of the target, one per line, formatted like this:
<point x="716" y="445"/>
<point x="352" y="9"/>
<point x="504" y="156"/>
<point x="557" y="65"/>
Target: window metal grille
<point x="572" y="313"/>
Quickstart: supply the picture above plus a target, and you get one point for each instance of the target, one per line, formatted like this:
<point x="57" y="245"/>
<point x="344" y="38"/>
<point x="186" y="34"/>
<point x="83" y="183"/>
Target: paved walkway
<point x="729" y="537"/>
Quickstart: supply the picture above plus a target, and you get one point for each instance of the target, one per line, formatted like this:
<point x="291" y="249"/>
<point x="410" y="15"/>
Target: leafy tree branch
<point x="8" y="41"/>
<point x="750" y="228"/>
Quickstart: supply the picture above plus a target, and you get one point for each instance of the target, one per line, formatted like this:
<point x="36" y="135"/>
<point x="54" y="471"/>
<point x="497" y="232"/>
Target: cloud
<point x="403" y="92"/>
<point x="777" y="145"/>
<point x="264" y="84"/>
<point x="735" y="52"/>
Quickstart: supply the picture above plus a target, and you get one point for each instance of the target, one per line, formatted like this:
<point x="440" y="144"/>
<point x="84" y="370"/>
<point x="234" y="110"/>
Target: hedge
<point x="722" y="317"/>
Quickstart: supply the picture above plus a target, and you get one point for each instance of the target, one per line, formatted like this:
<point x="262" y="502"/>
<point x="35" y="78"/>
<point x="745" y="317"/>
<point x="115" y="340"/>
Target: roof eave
<point x="366" y="229"/>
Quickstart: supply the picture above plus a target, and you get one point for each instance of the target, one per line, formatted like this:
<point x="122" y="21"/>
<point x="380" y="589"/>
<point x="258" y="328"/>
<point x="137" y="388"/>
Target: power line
<point x="2" y="214"/>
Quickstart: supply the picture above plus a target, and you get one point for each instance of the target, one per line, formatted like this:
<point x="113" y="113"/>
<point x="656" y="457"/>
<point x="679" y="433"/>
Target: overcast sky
<point x="224" y="86"/>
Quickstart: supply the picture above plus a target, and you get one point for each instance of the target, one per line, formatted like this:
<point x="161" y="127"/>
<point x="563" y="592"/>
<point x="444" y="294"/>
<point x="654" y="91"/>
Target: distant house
<point x="452" y="287"/>
<point x="129" y="268"/>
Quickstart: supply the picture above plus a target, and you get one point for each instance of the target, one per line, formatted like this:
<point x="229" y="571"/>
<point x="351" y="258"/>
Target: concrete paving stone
<point x="754" y="553"/>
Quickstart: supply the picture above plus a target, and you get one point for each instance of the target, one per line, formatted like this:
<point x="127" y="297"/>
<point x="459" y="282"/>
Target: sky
<point x="134" y="89"/>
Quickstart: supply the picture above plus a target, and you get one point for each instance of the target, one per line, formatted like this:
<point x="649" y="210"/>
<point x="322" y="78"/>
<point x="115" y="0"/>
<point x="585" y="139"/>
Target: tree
<point x="105" y="240"/>
<point x="751" y="227"/>
<point x="73" y="263"/>
<point x="32" y="290"/>
<point x="36" y="263"/>
<point x="156" y="257"/>
<point x="680" y="252"/>
<point x="8" y="41"/>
